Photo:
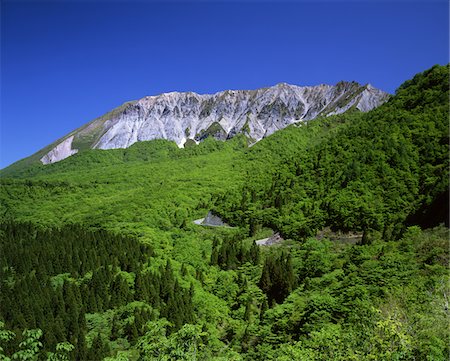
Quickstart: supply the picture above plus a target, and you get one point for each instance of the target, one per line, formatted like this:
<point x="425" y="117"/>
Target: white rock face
<point x="369" y="98"/>
<point x="255" y="113"/>
<point x="61" y="151"/>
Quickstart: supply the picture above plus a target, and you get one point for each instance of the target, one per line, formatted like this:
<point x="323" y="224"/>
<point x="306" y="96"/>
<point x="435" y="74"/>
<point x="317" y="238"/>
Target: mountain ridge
<point x="189" y="117"/>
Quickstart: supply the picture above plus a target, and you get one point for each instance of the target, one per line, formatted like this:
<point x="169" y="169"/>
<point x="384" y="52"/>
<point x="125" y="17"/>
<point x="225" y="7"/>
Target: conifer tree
<point x="254" y="253"/>
<point x="264" y="308"/>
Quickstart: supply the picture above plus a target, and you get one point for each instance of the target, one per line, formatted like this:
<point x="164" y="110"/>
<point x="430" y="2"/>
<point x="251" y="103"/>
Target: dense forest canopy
<point x="100" y="258"/>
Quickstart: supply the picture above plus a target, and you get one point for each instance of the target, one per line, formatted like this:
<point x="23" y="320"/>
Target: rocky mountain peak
<point x="180" y="116"/>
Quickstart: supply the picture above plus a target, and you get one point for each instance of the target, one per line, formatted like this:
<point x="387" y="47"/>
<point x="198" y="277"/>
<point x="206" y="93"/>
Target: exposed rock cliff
<point x="182" y="116"/>
<point x="61" y="151"/>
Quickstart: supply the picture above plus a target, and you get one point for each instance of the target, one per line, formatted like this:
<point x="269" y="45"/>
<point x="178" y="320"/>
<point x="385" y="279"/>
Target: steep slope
<point x="373" y="172"/>
<point x="182" y="117"/>
<point x="64" y="239"/>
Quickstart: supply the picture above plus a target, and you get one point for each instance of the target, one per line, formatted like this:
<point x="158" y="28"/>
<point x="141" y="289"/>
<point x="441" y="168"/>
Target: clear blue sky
<point x="65" y="63"/>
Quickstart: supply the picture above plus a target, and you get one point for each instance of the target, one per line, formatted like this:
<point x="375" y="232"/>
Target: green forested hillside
<point x="369" y="172"/>
<point x="100" y="258"/>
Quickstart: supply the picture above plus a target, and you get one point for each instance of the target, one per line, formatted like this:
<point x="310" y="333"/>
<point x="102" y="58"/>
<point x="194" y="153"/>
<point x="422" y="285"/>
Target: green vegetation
<point x="214" y="130"/>
<point x="100" y="259"/>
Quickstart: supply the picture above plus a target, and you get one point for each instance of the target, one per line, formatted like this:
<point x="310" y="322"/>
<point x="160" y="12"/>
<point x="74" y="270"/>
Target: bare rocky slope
<point x="190" y="117"/>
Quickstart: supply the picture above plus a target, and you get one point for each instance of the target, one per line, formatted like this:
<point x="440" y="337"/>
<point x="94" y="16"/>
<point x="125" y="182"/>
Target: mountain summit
<point x="190" y="117"/>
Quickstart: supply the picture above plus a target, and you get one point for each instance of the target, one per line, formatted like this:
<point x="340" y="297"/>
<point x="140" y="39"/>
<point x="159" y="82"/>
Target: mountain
<point x="102" y="257"/>
<point x="189" y="117"/>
